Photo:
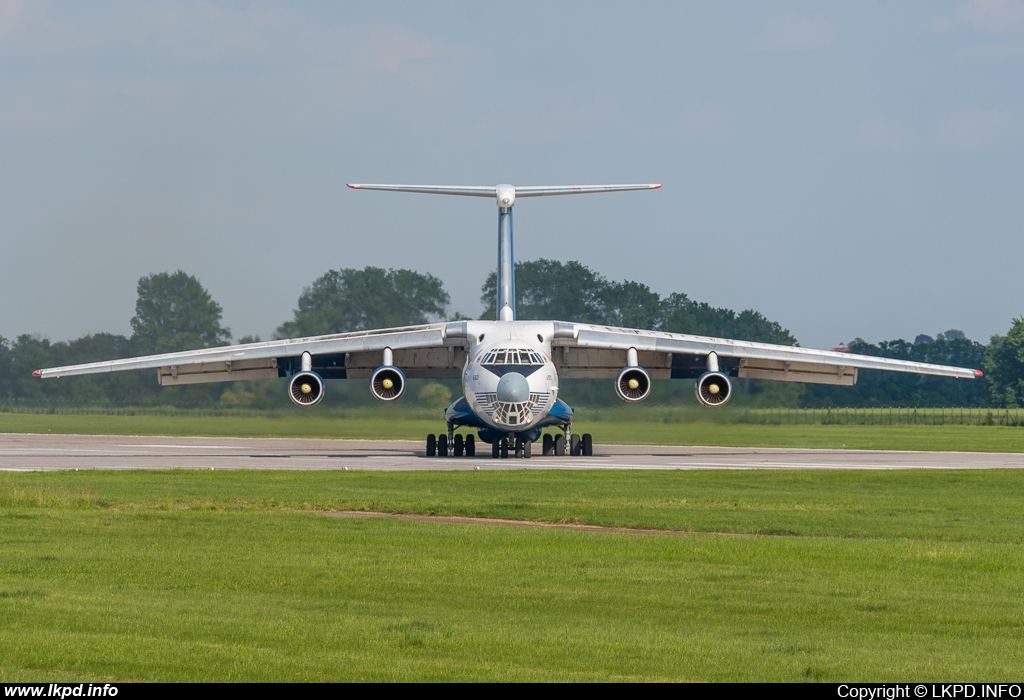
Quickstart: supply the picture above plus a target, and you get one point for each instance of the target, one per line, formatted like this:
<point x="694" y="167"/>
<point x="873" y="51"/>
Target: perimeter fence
<point x="887" y="416"/>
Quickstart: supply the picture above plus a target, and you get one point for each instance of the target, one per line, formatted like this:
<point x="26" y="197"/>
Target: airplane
<point x="510" y="368"/>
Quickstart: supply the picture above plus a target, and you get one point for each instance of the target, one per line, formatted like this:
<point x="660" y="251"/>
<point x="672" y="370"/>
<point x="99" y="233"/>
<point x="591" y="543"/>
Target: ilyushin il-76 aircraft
<point x="510" y="369"/>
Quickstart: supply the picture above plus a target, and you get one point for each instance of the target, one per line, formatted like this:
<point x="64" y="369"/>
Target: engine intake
<point x="387" y="383"/>
<point x="713" y="389"/>
<point x="633" y="384"/>
<point x="306" y="389"/>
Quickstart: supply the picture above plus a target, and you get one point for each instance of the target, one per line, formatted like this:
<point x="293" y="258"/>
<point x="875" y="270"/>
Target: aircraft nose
<point x="513" y="388"/>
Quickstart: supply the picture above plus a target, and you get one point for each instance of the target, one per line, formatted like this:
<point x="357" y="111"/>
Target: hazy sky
<point x="848" y="169"/>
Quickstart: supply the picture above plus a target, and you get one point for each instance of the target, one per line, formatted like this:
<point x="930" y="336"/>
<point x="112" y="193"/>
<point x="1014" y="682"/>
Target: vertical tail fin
<point x="505" y="197"/>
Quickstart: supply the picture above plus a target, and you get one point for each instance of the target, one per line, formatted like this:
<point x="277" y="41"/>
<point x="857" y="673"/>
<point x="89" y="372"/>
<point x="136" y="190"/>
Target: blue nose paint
<point x="513" y="388"/>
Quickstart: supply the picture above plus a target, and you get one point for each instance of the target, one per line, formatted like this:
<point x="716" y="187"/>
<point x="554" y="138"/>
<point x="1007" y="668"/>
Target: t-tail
<point x="505" y="197"/>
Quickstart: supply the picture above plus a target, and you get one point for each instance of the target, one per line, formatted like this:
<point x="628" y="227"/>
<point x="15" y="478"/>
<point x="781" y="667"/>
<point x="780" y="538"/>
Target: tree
<point x="175" y="312"/>
<point x="1004" y="366"/>
<point x="5" y="369"/>
<point x="551" y="290"/>
<point x="353" y="300"/>
<point x="680" y="314"/>
<point x="631" y="305"/>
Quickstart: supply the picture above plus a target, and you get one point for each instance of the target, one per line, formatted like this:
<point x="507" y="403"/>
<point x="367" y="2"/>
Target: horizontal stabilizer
<point x="506" y="193"/>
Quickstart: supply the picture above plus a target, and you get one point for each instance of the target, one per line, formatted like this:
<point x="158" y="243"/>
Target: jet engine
<point x="306" y="388"/>
<point x="387" y="383"/>
<point x="713" y="389"/>
<point x="633" y="384"/>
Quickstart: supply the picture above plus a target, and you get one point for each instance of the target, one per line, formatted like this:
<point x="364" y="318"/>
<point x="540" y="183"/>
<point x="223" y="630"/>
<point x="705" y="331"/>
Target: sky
<point x="847" y="169"/>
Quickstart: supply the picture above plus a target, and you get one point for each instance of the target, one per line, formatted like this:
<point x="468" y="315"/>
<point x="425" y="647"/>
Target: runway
<point x="28" y="452"/>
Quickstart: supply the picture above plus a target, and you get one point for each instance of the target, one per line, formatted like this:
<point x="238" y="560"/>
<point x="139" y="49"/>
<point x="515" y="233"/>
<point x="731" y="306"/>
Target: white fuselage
<point x="509" y="381"/>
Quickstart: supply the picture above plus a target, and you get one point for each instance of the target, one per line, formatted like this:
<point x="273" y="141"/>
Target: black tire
<point x="459" y="446"/>
<point x="547" y="445"/>
<point x="527" y="449"/>
<point x="470" y="446"/>
<point x="574" y="445"/>
<point x="588" y="445"/>
<point x="519" y="447"/>
<point x="495" y="448"/>
<point x="442" y="445"/>
<point x="431" y="446"/>
<point x="503" y="448"/>
<point x="559" y="446"/>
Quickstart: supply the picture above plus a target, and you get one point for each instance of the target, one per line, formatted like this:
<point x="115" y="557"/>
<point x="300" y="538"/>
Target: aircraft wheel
<point x="503" y="448"/>
<point x="431" y="446"/>
<point x="495" y="448"/>
<point x="559" y="445"/>
<point x="442" y="445"/>
<point x="470" y="446"/>
<point x="574" y="445"/>
<point x="519" y="447"/>
<point x="547" y="445"/>
<point x="587" y="445"/>
<point x="527" y="449"/>
<point x="459" y="447"/>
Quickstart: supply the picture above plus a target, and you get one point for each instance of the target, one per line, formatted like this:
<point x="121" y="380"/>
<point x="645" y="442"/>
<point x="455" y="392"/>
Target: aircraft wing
<point x="589" y="351"/>
<point x="428" y="351"/>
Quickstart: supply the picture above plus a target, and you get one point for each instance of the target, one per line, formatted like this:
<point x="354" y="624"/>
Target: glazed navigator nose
<point x="513" y="388"/>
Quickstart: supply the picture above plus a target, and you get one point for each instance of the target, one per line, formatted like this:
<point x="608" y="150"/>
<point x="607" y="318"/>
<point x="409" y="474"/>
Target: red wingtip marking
<point x="355" y="187"/>
<point x="978" y="373"/>
<point x="655" y="187"/>
<point x="37" y="373"/>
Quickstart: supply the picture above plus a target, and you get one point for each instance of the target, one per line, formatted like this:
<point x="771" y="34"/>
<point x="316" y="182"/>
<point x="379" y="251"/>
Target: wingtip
<point x="351" y="186"/>
<point x="656" y="187"/>
<point x="37" y="373"/>
<point x="978" y="373"/>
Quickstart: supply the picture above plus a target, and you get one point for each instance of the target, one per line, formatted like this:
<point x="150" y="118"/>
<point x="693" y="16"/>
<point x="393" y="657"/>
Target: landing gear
<point x="578" y="445"/>
<point x="451" y="444"/>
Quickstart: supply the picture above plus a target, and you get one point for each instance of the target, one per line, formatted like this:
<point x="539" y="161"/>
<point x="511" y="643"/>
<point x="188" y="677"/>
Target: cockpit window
<point x="512" y="356"/>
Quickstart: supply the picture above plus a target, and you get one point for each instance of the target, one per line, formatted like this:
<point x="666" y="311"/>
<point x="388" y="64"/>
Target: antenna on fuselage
<point x="505" y="197"/>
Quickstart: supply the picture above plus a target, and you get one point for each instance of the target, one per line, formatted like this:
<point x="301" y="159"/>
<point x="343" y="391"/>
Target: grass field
<point x="609" y="426"/>
<point x="232" y="575"/>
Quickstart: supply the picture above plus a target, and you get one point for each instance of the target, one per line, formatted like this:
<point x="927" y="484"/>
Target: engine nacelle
<point x="306" y="389"/>
<point x="387" y="383"/>
<point x="713" y="389"/>
<point x="633" y="384"/>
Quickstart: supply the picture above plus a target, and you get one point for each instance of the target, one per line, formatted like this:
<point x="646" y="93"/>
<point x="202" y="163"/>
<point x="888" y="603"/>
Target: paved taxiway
<point x="57" y="452"/>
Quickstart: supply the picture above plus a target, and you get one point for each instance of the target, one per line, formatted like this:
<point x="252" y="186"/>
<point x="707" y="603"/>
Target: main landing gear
<point x="450" y="444"/>
<point x="579" y="445"/>
<point x="566" y="444"/>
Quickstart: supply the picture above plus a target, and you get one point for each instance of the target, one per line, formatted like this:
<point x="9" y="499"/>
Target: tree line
<point x="173" y="311"/>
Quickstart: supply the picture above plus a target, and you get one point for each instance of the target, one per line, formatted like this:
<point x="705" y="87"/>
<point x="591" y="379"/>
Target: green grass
<point x="829" y="576"/>
<point x="669" y="429"/>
